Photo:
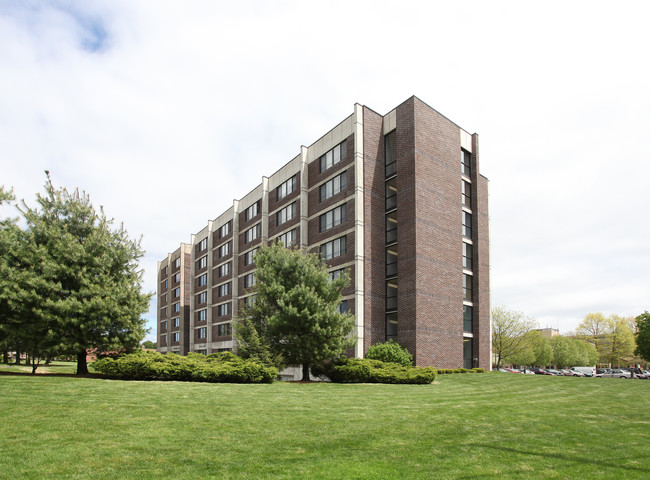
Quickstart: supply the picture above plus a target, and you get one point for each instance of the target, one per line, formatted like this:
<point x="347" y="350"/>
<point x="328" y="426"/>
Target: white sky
<point x="139" y="102"/>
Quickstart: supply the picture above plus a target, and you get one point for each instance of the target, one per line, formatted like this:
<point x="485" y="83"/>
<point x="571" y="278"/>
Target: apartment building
<point x="396" y="200"/>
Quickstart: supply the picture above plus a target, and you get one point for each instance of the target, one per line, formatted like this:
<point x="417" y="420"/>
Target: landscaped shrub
<point x="445" y="371"/>
<point x="220" y="367"/>
<point x="391" y="351"/>
<point x="356" y="370"/>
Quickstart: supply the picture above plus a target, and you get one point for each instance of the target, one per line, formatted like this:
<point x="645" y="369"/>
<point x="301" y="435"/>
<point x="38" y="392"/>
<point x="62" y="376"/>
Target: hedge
<point x="222" y="367"/>
<point x="356" y="370"/>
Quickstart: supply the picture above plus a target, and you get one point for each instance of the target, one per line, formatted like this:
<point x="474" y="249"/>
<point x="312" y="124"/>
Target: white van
<point x="587" y="371"/>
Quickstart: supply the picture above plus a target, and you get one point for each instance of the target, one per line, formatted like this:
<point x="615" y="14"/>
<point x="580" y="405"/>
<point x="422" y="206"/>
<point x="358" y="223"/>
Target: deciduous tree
<point x="295" y="315"/>
<point x="509" y="329"/>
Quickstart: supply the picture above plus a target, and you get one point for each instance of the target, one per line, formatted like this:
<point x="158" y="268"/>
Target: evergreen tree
<point x="295" y="314"/>
<point x="643" y="336"/>
<point x="77" y="284"/>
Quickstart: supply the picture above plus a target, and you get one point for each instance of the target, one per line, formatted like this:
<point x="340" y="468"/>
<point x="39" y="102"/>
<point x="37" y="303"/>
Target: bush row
<point x="356" y="370"/>
<point x="222" y="367"/>
<point x="443" y="371"/>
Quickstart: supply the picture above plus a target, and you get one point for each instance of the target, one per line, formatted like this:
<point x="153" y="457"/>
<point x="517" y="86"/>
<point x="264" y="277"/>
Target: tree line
<point x="69" y="279"/>
<point x="604" y="340"/>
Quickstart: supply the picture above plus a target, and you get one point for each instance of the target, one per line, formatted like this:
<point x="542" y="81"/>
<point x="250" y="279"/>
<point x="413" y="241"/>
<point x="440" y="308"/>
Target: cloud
<point x="166" y="112"/>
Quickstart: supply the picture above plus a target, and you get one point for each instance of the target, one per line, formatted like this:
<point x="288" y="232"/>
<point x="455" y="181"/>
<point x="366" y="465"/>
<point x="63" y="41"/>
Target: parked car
<point x="566" y="373"/>
<point x="553" y="371"/>
<point x="586" y="371"/>
<point x="614" y="373"/>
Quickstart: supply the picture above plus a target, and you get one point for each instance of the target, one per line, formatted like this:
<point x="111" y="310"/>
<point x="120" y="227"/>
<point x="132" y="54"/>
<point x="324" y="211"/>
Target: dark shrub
<point x="356" y="370"/>
<point x="392" y="352"/>
<point x="221" y="367"/>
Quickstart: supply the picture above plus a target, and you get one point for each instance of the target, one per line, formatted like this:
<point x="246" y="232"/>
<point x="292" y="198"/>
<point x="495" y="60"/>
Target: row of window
<point x="253" y="233"/>
<point x="252" y="211"/>
<point x="334" y="217"/>
<point x="286" y="188"/>
<point x="334" y="156"/>
<point x="286" y="214"/>
<point x="223" y="330"/>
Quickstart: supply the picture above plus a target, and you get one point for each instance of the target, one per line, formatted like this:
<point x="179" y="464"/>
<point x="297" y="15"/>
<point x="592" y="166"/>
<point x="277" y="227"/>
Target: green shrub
<point x="220" y="367"/>
<point x="356" y="370"/>
<point x="392" y="352"/>
<point x="446" y="371"/>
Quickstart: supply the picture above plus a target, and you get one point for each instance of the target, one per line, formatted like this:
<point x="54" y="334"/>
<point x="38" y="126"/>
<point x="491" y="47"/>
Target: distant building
<point x="395" y="199"/>
<point x="548" y="332"/>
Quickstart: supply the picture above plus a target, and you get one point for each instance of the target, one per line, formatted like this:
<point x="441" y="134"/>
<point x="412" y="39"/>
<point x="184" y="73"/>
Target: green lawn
<point x="472" y="426"/>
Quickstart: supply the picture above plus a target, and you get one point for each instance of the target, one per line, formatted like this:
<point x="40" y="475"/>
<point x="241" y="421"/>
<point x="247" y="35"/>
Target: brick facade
<point x="427" y="210"/>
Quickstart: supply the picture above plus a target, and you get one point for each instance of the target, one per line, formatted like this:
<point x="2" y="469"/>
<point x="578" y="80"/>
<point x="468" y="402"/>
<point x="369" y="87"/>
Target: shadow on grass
<point x="49" y="374"/>
<point x="561" y="456"/>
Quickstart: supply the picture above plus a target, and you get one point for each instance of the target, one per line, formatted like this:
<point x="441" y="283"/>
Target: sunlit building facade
<point x="396" y="200"/>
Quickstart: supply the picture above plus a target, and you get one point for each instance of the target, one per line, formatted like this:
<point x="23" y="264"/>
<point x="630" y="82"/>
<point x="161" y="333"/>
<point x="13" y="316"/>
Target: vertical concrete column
<point x="359" y="248"/>
<point x="265" y="210"/>
<point x="235" y="258"/>
<point x="303" y="241"/>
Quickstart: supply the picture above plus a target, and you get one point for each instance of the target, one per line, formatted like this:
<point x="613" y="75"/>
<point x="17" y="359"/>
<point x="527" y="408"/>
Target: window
<point x="163" y="325"/>
<point x="468" y="249"/>
<point x="223" y="290"/>
<point x="166" y="284"/>
<point x="468" y="348"/>
<point x="202" y="263"/>
<point x="176" y="322"/>
<point x="391" y="326"/>
<point x="391" y="193"/>
<point x="224" y="249"/>
<point x="252" y="233"/>
<point x="163" y="312"/>
<point x="224" y="330"/>
<point x="391" y="261"/>
<point x="252" y="211"/>
<point x="176" y="292"/>
<point x="467" y="225"/>
<point x="163" y="339"/>
<point x="176" y="278"/>
<point x="466" y="163"/>
<point x="249" y="256"/>
<point x="333" y="249"/>
<point x="333" y="186"/>
<point x="390" y="154"/>
<point x="249" y="280"/>
<point x="334" y="217"/>
<point x="164" y="271"/>
<point x="467" y="287"/>
<point x="202" y="298"/>
<point x="343" y="306"/>
<point x="163" y="298"/>
<point x="224" y="230"/>
<point x="288" y="238"/>
<point x="334" y="274"/>
<point x="224" y="269"/>
<point x="202" y="351"/>
<point x="391" y="227"/>
<point x="177" y="262"/>
<point x="286" y="214"/>
<point x="202" y="315"/>
<point x="249" y="301"/>
<point x="176" y="307"/>
<point x="223" y="309"/>
<point x="286" y="188"/>
<point x="391" y="294"/>
<point x="176" y="337"/>
<point x="334" y="156"/>
<point x="467" y="194"/>
<point x="203" y="244"/>
<point x="468" y="319"/>
<point x="203" y="280"/>
<point x="202" y="332"/>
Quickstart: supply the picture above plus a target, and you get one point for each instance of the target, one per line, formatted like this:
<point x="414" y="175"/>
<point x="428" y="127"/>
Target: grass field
<point x="473" y="426"/>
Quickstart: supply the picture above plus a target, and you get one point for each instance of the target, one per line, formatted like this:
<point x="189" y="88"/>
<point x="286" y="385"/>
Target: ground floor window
<point x="468" y="351"/>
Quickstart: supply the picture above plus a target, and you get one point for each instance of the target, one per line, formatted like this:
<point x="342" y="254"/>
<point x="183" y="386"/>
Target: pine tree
<point x="84" y="287"/>
<point x="295" y="314"/>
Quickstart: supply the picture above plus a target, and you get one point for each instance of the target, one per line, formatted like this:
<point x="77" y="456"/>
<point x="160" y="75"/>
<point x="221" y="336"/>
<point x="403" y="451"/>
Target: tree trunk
<point x="305" y="372"/>
<point x="82" y="365"/>
<point x="5" y="357"/>
<point x="17" y="358"/>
